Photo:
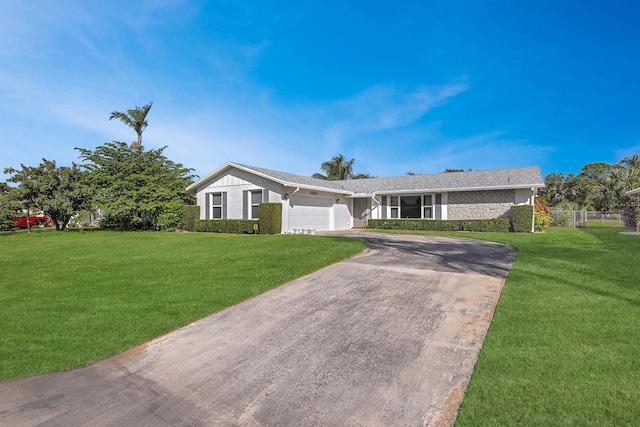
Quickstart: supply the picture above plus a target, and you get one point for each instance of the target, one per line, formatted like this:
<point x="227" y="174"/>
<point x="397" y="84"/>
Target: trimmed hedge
<point x="500" y="225"/>
<point x="521" y="218"/>
<point x="270" y="215"/>
<point x="190" y="214"/>
<point x="497" y="224"/>
<point x="231" y="226"/>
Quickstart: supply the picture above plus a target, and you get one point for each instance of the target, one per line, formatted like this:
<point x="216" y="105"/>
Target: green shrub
<point x="500" y="225"/>
<point x="561" y="218"/>
<point x="190" y="214"/>
<point x="170" y="218"/>
<point x="5" y="214"/>
<point x="270" y="215"/>
<point x="541" y="217"/>
<point x="497" y="224"/>
<point x="230" y="226"/>
<point x="521" y="218"/>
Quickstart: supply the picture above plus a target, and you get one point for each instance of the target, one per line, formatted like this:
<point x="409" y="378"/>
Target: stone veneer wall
<point x="480" y="204"/>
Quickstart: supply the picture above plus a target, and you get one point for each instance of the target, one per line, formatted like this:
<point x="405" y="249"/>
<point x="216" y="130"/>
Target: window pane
<point x="394" y="201"/>
<point x="428" y="212"/>
<point x="217" y="199"/>
<point x="254" y="212"/>
<point x="256" y="197"/>
<point x="410" y="206"/>
<point x="427" y="200"/>
<point x="394" y="212"/>
<point x="216" y="213"/>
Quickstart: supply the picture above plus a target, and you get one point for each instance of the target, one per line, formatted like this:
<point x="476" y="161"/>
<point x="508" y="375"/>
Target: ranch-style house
<point x="235" y="191"/>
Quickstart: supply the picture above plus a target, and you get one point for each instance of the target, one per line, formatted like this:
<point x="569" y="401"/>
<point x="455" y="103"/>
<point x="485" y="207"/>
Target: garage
<point x="309" y="212"/>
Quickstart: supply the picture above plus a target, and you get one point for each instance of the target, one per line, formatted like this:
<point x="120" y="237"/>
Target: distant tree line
<point x="132" y="188"/>
<point x="599" y="186"/>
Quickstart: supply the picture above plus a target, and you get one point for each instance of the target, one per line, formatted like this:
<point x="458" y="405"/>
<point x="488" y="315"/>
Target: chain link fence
<point x="568" y="218"/>
<point x="604" y="218"/>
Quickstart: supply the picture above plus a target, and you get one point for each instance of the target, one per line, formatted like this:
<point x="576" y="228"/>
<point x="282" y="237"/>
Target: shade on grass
<point x="70" y="298"/>
<point x="564" y="345"/>
<point x="563" y="348"/>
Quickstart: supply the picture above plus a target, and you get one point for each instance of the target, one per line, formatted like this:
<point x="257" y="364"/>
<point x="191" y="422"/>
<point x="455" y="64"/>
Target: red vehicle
<point x="35" y="221"/>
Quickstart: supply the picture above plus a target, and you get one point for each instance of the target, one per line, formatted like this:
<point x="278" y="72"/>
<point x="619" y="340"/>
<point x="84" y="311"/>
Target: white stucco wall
<point x="524" y="196"/>
<point x="234" y="182"/>
<point x="342" y="216"/>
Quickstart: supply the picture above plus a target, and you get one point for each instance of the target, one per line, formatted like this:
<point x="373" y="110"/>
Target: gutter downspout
<point x="373" y="197"/>
<point x="533" y="206"/>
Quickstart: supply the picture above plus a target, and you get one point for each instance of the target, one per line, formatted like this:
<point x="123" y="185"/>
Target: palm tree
<point x="630" y="162"/>
<point x="610" y="190"/>
<point x="136" y="119"/>
<point x="337" y="168"/>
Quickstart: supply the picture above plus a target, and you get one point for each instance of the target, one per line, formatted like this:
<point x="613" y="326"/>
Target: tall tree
<point x="58" y="191"/>
<point x="632" y="162"/>
<point x="136" y="119"/>
<point x="6" y="207"/>
<point x="134" y="187"/>
<point x="610" y="189"/>
<point x="339" y="168"/>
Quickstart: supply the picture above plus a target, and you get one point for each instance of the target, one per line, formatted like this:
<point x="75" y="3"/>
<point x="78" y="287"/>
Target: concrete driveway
<point x="389" y="337"/>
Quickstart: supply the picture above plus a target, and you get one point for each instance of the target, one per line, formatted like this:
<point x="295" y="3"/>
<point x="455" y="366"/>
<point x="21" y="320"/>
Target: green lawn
<point x="564" y="345"/>
<point x="70" y="298"/>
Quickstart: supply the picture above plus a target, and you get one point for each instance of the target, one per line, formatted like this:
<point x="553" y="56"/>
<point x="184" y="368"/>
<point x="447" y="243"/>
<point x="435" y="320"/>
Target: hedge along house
<point x="235" y="191"/>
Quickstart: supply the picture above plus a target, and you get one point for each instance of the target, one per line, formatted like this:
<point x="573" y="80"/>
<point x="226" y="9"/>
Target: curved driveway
<point x="389" y="337"/>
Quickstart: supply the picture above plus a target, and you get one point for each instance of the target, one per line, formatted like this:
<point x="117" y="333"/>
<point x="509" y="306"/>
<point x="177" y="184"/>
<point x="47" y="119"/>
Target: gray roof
<point x="294" y="179"/>
<point x="527" y="177"/>
<point x="452" y="181"/>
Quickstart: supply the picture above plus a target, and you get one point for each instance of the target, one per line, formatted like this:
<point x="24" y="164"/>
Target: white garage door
<point x="309" y="212"/>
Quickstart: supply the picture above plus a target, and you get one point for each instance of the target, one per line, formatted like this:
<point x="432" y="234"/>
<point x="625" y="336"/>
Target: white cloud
<point x="384" y="107"/>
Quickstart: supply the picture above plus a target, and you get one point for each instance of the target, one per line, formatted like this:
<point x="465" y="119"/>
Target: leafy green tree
<point x="134" y="188"/>
<point x="136" y="119"/>
<point x="58" y="191"/>
<point x="6" y="207"/>
<point x="363" y="175"/>
<point x="339" y="168"/>
<point x="610" y="189"/>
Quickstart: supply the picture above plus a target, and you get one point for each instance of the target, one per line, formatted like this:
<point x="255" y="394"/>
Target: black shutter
<point x="265" y="196"/>
<point x="245" y="204"/>
<point x="224" y="205"/>
<point x="385" y="204"/>
<point x="207" y="206"/>
<point x="438" y="207"/>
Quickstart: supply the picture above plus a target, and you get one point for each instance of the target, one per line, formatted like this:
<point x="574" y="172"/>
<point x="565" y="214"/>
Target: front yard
<point x="71" y="298"/>
<point x="564" y="345"/>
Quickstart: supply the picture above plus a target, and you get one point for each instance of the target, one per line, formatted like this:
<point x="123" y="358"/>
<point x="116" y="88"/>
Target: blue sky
<point x="399" y="86"/>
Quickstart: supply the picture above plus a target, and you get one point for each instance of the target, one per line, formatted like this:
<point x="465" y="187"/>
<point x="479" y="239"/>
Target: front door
<point x="360" y="212"/>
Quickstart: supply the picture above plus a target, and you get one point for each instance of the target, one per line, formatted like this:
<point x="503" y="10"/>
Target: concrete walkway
<point x="387" y="338"/>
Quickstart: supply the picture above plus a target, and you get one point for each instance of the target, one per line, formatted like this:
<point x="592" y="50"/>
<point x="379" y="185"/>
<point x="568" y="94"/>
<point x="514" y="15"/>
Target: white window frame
<point x="394" y="209"/>
<point x="395" y="206"/>
<point x="430" y="206"/>
<point x="253" y="205"/>
<point x="217" y="206"/>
